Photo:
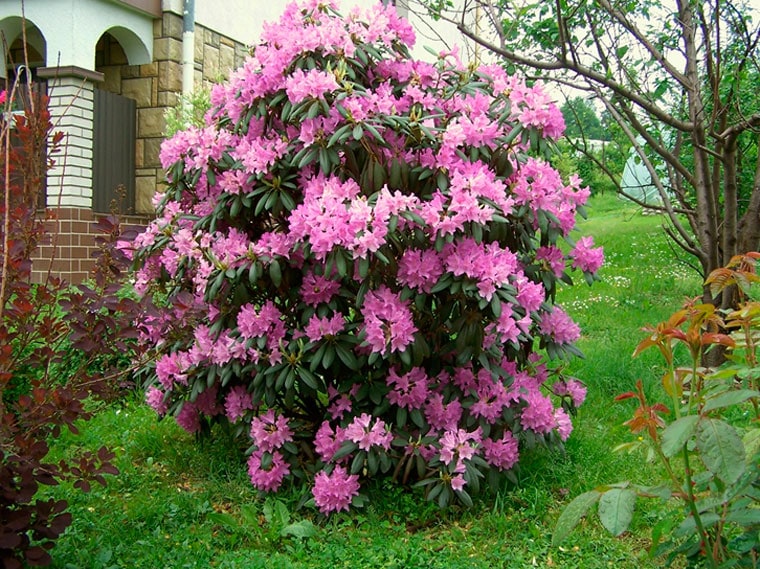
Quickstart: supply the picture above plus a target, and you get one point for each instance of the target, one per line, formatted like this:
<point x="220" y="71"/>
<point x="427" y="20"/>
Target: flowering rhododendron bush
<point x="359" y="254"/>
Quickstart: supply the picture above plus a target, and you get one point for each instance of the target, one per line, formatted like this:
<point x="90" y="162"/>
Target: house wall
<point x="156" y="87"/>
<point x="144" y="68"/>
<point x="144" y="63"/>
<point x="71" y="28"/>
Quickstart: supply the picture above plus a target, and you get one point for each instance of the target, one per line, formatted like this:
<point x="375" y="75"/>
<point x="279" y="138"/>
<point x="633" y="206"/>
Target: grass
<point x="178" y="503"/>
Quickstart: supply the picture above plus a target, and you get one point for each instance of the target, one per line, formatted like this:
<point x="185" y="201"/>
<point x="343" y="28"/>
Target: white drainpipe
<point x="188" y="47"/>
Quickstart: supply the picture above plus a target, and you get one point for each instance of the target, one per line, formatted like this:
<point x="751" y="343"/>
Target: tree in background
<point x="592" y="148"/>
<point x="581" y="120"/>
<point x="679" y="75"/>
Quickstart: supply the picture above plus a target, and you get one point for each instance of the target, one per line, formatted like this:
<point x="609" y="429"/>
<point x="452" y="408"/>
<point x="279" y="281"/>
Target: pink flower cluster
<point x="358" y="255"/>
<point x="267" y="466"/>
<point x="333" y="492"/>
<point x="388" y="322"/>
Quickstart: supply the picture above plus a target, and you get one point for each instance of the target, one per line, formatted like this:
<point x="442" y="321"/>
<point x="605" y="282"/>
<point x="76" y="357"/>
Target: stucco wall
<point x="71" y="29"/>
<point x="242" y="20"/>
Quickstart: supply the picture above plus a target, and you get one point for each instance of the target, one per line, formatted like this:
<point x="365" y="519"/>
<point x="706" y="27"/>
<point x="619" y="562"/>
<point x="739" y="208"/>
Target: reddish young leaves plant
<point x="59" y="346"/>
<point x="710" y="449"/>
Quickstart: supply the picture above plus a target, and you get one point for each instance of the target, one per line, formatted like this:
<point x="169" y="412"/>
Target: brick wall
<point x="155" y="87"/>
<point x="67" y="247"/>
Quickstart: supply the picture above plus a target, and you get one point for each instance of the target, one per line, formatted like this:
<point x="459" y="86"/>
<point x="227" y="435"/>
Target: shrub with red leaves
<point x="59" y="346"/>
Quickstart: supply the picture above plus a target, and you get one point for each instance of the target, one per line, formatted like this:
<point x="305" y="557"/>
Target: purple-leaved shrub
<point x="359" y="254"/>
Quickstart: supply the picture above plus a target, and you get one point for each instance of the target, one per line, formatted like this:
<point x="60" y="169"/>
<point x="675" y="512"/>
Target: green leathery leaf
<point x="616" y="509"/>
<point x="236" y="206"/>
<point x="316" y="359"/>
<point x="729" y="398"/>
<point x="465" y="498"/>
<point x="572" y="514"/>
<point x="275" y="273"/>
<point x="347" y="357"/>
<point x="329" y="356"/>
<point x="345" y="449"/>
<point x="340" y="263"/>
<point x="324" y="161"/>
<point x="287" y="201"/>
<point x="394" y="178"/>
<point x="254" y="272"/>
<point x="374" y="132"/>
<point x="496" y="306"/>
<point x="308" y="378"/>
<point x="358" y="463"/>
<point x="339" y="135"/>
<point x="677" y="434"/>
<point x="721" y="449"/>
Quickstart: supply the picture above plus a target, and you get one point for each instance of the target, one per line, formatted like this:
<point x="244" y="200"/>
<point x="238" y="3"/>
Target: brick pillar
<point x="71" y="240"/>
<point x="71" y="99"/>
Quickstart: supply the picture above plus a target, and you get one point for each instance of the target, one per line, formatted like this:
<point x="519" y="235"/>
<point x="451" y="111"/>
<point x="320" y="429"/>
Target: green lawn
<point x="178" y="503"/>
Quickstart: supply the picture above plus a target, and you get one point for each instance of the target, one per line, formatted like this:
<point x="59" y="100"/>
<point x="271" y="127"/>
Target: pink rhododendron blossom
<point x="564" y="424"/>
<point x="458" y="482"/>
<point x="188" y="417"/>
<point x="501" y="453"/>
<point x="464" y="379"/>
<point x="530" y="295"/>
<point x="207" y="402"/>
<point x="333" y="492"/>
<point x="312" y="83"/>
<point x="409" y="390"/>
<point x="326" y="218"/>
<point x="507" y="328"/>
<point x="574" y="388"/>
<point x="318" y="328"/>
<point x="169" y="371"/>
<point x="341" y="403"/>
<point x="420" y="269"/>
<point x="559" y="326"/>
<point x="491" y="397"/>
<point x="156" y="399"/>
<point x="554" y="259"/>
<point x="237" y="402"/>
<point x="317" y="289"/>
<point x="253" y="323"/>
<point x="459" y="445"/>
<point x="443" y="416"/>
<point x="267" y="479"/>
<point x="577" y="392"/>
<point x="538" y="416"/>
<point x="533" y="107"/>
<point x="269" y="432"/>
<point x="327" y="441"/>
<point x="388" y="321"/>
<point x="367" y="434"/>
<point x="586" y="257"/>
<point x="489" y="265"/>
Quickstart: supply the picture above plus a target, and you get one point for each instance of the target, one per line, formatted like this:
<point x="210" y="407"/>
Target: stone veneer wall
<point x="155" y="87"/>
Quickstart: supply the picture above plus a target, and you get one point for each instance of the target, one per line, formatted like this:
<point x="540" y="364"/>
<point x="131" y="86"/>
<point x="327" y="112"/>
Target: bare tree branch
<point x="585" y="72"/>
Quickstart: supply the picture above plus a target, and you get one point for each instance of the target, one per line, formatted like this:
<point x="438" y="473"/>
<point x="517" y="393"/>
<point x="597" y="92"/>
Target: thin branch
<point x="632" y="29"/>
<point x="733" y="132"/>
<point x="685" y="241"/>
<point x="585" y="72"/>
<point x="654" y="144"/>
